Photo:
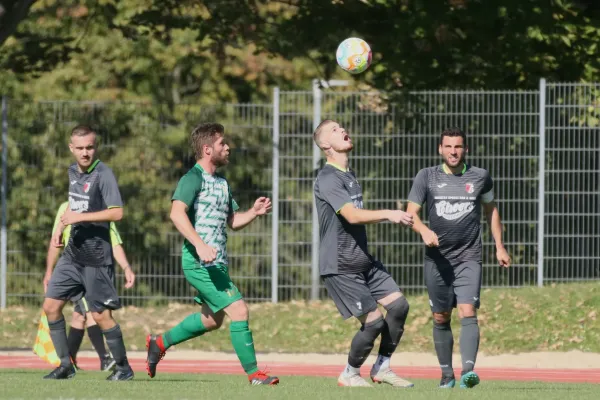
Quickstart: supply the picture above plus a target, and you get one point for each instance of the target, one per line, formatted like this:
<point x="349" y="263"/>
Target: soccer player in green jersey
<point x="202" y="208"/>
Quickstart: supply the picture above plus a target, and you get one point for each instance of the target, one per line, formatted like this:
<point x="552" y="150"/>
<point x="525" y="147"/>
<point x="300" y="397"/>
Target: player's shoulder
<point x="479" y="171"/>
<point x="428" y="171"/>
<point x="328" y="174"/>
<point x="103" y="168"/>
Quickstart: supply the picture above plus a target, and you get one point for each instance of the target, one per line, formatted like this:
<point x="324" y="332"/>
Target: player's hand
<point x="401" y="217"/>
<point x="129" y="278"/>
<point x="430" y="238"/>
<point x="503" y="257"/>
<point x="46" y="280"/>
<point x="206" y="253"/>
<point x="57" y="238"/>
<point x="70" y="217"/>
<point x="262" y="206"/>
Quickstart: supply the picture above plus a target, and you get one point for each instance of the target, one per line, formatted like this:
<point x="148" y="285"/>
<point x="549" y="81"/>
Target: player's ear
<point x="440" y="149"/>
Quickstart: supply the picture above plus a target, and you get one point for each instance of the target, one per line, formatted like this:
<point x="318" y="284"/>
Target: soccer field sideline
<point x="232" y="367"/>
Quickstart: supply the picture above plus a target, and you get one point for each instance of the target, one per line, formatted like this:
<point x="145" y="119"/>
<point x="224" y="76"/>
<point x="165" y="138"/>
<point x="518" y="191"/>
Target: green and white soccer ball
<point x="354" y="55"/>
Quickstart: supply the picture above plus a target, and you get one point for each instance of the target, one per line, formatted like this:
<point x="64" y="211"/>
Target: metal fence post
<point x="314" y="292"/>
<point x="542" y="181"/>
<point x="275" y="201"/>
<point x="3" y="235"/>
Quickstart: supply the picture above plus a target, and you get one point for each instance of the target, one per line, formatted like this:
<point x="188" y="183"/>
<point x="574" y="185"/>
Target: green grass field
<point x="552" y="318"/>
<point x="26" y="384"/>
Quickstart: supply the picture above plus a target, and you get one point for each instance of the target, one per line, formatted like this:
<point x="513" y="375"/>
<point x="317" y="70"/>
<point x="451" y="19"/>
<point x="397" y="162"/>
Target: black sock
<point x="397" y="311"/>
<point x="58" y="334"/>
<point x="97" y="339"/>
<point x="74" y="341"/>
<point x="363" y="342"/>
<point x="114" y="340"/>
<point x="469" y="343"/>
<point x="444" y="342"/>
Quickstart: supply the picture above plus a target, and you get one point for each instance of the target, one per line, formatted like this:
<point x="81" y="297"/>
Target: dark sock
<point x="114" y="340"/>
<point x="363" y="342"/>
<point x="444" y="342"/>
<point x="97" y="339"/>
<point x="74" y="341"/>
<point x="58" y="334"/>
<point x="397" y="311"/>
<point x="469" y="343"/>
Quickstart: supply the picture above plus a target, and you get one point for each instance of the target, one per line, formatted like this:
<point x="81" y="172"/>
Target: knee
<point x="77" y="319"/>
<point x="237" y="311"/>
<point x="373" y="327"/>
<point x="52" y="308"/>
<point x="213" y="322"/>
<point x="466" y="311"/>
<point x="441" y="319"/>
<point x="398" y="309"/>
<point x="102" y="318"/>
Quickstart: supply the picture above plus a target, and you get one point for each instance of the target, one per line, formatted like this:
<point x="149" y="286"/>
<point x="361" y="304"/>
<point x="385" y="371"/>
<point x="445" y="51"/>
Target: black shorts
<point x="449" y="285"/>
<point x="357" y="294"/>
<point x="81" y="306"/>
<point x="72" y="281"/>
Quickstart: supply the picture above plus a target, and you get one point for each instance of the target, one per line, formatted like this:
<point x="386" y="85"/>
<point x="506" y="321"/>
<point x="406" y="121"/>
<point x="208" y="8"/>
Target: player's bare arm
<point x="121" y="258"/>
<point x="429" y="237"/>
<point x="51" y="258"/>
<point x="239" y="220"/>
<point x="184" y="226"/>
<point x="109" y="215"/>
<point x="493" y="218"/>
<point x="361" y="216"/>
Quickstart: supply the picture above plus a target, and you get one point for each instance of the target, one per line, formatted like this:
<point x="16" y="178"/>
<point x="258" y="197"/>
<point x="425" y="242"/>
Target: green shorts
<point x="214" y="286"/>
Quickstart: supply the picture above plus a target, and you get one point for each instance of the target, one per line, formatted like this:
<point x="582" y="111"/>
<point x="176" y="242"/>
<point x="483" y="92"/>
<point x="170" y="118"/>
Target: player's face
<point x="220" y="152"/>
<point x="84" y="149"/>
<point x="338" y="139"/>
<point x="452" y="150"/>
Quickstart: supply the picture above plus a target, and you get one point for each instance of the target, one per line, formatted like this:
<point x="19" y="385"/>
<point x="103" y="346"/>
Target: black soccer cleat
<point x="107" y="363"/>
<point x="447" y="382"/>
<point x="155" y="354"/>
<point x="121" y="375"/>
<point x="62" y="373"/>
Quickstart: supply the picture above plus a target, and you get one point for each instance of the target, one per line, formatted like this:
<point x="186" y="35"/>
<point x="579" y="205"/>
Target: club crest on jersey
<point x="86" y="187"/>
<point x="470" y="188"/>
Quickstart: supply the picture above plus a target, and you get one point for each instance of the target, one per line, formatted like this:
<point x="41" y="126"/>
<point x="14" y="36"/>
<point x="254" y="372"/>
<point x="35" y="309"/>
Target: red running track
<point x="282" y="369"/>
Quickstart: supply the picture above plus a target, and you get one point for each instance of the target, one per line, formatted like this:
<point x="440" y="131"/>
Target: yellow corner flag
<point x="43" y="346"/>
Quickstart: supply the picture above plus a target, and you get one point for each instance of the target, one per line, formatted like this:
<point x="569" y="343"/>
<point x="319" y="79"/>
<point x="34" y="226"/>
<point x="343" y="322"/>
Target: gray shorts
<point x="357" y="294"/>
<point x="72" y="281"/>
<point x="449" y="285"/>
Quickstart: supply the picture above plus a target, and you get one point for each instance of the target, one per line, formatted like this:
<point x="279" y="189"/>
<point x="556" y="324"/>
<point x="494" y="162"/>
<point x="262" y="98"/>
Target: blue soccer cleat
<point x="469" y="380"/>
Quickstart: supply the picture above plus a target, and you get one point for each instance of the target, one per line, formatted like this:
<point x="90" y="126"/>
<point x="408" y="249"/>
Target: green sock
<point x="189" y="328"/>
<point x="241" y="338"/>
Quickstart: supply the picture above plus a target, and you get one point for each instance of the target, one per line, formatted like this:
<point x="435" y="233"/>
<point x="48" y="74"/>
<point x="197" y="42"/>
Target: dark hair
<point x="453" y="132"/>
<point x="82" y="130"/>
<point x="319" y="130"/>
<point x="205" y="134"/>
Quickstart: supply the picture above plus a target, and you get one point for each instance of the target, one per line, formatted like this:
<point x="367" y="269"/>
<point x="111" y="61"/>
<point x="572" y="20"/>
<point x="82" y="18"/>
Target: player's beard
<point x="461" y="160"/>
<point x="220" y="160"/>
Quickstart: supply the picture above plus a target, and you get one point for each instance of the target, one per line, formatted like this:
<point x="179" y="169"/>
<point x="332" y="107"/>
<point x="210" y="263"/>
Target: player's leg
<point x="66" y="283"/>
<point x="353" y="298"/>
<point x="192" y="326"/>
<point x="467" y="287"/>
<point x="387" y="293"/>
<point x="76" y="331"/>
<point x="439" y="281"/>
<point x="102" y="299"/>
<point x="107" y="363"/>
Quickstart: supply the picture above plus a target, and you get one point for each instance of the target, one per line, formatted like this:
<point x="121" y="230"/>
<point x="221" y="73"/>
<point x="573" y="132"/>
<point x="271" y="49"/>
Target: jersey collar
<point x="336" y="166"/>
<point x="447" y="171"/>
<point x="92" y="167"/>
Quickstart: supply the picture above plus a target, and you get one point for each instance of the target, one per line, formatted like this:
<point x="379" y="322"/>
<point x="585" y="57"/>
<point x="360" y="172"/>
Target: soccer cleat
<point x="261" y="378"/>
<point x="155" y="353"/>
<point x="121" y="375"/>
<point x="469" y="380"/>
<point x="62" y="373"/>
<point x="107" y="363"/>
<point x="447" y="382"/>
<point x="352" y="380"/>
<point x="388" y="376"/>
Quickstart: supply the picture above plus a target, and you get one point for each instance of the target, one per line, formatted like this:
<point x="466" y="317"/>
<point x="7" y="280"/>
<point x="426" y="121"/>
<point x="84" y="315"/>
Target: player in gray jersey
<point x="86" y="266"/>
<point x="454" y="192"/>
<point x="354" y="279"/>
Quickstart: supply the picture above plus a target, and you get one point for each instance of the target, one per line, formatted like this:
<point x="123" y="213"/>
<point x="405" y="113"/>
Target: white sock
<point x="381" y="363"/>
<point x="350" y="370"/>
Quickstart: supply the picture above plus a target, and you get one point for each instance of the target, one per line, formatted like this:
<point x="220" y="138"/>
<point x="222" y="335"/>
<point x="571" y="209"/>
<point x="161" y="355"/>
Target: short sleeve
<point x="333" y="191"/>
<point x="418" y="192"/>
<point x="188" y="188"/>
<point x="233" y="205"/>
<point x="115" y="237"/>
<point x="487" y="193"/>
<point x="110" y="189"/>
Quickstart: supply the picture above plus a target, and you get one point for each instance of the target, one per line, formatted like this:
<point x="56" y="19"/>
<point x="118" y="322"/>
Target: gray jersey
<point x="343" y="246"/>
<point x="93" y="190"/>
<point x="454" y="211"/>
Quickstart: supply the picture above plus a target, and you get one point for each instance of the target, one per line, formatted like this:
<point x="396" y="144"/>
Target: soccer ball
<point x="354" y="55"/>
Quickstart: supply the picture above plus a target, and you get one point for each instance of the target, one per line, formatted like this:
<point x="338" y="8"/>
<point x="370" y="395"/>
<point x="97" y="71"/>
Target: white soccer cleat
<point x="352" y="380"/>
<point x="388" y="376"/>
